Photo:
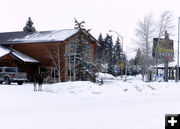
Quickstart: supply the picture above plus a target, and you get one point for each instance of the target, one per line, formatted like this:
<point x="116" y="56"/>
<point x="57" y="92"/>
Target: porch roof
<point x="5" y="51"/>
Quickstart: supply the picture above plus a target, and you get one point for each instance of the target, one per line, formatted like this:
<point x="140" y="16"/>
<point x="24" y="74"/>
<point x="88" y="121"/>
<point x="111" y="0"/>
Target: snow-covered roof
<point x="37" y="36"/>
<point x="23" y="57"/>
<point x="60" y="35"/>
<point x="4" y="51"/>
<point x="170" y="64"/>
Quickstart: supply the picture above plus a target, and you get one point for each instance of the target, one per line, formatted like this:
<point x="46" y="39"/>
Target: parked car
<point x="11" y="74"/>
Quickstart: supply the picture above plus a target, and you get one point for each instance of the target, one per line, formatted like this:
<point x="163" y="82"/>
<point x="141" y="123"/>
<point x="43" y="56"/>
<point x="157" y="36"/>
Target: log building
<point x="32" y="51"/>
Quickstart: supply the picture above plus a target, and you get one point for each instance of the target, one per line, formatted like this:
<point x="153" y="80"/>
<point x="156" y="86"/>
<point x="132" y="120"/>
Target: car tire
<point x="1" y="82"/>
<point x="20" y="82"/>
<point x="7" y="81"/>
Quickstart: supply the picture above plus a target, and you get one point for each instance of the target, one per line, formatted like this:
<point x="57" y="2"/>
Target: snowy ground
<point x="83" y="105"/>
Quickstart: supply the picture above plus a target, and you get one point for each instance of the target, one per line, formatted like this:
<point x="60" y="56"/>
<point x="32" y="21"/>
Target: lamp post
<point x="122" y="48"/>
<point x="178" y="51"/>
<point x="118" y="36"/>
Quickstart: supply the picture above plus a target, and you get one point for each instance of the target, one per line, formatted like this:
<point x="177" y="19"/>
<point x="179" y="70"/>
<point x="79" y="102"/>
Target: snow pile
<point x="77" y="87"/>
<point x="104" y="76"/>
<point x="117" y="104"/>
<point x="114" y="87"/>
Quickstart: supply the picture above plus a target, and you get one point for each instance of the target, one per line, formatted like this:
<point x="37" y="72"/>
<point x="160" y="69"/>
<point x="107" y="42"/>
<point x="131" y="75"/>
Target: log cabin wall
<point x="42" y="52"/>
<point x="8" y="61"/>
<point x="38" y="51"/>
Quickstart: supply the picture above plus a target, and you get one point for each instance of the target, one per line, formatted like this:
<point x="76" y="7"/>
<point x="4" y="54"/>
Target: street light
<point x="178" y="51"/>
<point x="118" y="36"/>
<point x="122" y="49"/>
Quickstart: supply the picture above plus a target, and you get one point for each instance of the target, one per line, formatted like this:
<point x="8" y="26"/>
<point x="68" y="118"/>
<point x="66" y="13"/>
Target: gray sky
<point x="99" y="15"/>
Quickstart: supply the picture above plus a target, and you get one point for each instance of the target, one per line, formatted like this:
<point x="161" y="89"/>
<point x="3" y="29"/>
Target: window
<point x="55" y="72"/>
<point x="9" y="70"/>
<point x="70" y="72"/>
<point x="43" y="70"/>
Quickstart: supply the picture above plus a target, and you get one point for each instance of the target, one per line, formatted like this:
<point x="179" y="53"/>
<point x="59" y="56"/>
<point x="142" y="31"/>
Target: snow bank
<point x="86" y="105"/>
<point x="114" y="87"/>
<point x="77" y="87"/>
<point x="104" y="76"/>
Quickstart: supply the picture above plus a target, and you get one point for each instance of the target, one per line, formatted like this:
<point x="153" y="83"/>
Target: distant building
<point x="172" y="70"/>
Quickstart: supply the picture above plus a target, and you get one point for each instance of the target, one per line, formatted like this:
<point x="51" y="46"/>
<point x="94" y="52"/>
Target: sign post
<point x="122" y="67"/>
<point x="166" y="70"/>
<point x="163" y="49"/>
<point x="178" y="51"/>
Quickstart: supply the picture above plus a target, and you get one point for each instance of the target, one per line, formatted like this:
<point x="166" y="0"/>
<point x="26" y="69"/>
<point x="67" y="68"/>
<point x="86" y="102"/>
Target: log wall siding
<point x="40" y="52"/>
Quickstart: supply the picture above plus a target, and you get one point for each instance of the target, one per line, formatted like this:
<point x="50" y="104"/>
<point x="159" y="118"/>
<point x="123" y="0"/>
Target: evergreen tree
<point x="109" y="53"/>
<point x="117" y="52"/>
<point x="100" y="49"/>
<point x="82" y="66"/>
<point x="117" y="56"/>
<point x="138" y="57"/>
<point x="29" y="26"/>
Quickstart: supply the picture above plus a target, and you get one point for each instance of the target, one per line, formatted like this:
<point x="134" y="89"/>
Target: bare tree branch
<point x="165" y="23"/>
<point x="144" y="34"/>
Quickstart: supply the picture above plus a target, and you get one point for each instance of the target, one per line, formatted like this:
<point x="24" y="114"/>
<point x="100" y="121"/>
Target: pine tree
<point x="29" y="26"/>
<point x="118" y="56"/>
<point x="82" y="66"/>
<point x="138" y="57"/>
<point x="100" y="49"/>
<point x="109" y="53"/>
<point x="117" y="52"/>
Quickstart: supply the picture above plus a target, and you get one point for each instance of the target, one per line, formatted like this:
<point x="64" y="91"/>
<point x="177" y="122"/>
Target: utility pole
<point x="178" y="51"/>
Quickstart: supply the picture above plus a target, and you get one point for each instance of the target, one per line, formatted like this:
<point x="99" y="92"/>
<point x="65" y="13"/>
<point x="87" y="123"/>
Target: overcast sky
<point x="99" y="15"/>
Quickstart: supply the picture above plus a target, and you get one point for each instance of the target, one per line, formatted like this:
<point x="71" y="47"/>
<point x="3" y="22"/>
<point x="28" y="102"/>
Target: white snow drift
<point x="84" y="105"/>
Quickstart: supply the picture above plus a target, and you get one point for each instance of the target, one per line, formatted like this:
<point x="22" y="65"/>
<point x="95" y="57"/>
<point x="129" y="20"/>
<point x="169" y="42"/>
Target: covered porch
<point x="22" y="62"/>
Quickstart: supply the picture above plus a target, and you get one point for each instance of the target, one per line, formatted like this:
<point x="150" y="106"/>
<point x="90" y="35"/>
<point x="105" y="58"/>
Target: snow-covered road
<point x="84" y="105"/>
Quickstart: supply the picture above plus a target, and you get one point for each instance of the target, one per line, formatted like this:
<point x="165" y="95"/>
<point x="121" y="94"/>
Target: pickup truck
<point x="11" y="74"/>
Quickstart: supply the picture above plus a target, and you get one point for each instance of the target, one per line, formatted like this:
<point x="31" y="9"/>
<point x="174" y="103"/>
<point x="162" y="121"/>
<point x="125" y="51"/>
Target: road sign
<point x="122" y="64"/>
<point x="163" y="48"/>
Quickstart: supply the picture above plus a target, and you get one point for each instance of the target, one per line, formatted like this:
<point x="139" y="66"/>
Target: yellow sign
<point x="165" y="50"/>
<point x="122" y="64"/>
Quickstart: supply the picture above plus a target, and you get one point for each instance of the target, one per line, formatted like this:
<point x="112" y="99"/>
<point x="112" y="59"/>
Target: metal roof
<point x="36" y="37"/>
